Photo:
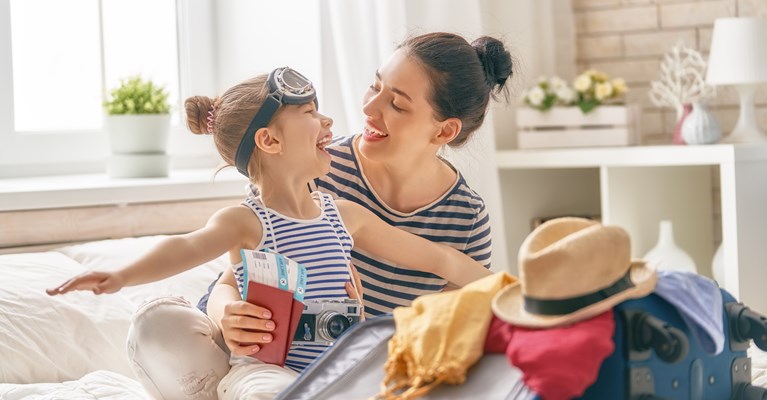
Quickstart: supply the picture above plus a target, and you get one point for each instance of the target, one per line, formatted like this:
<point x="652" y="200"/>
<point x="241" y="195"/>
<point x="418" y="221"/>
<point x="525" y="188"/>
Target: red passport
<point x="286" y="312"/>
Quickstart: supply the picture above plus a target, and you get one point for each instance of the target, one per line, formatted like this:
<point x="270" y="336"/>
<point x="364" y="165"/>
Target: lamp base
<point x="752" y="135"/>
<point x="746" y="130"/>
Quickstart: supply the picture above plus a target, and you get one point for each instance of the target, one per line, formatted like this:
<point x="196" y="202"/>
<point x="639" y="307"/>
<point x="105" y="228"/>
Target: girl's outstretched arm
<point x="377" y="237"/>
<point x="224" y="231"/>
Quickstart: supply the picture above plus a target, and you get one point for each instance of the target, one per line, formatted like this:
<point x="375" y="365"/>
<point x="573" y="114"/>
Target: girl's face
<point x="399" y="121"/>
<point x="304" y="134"/>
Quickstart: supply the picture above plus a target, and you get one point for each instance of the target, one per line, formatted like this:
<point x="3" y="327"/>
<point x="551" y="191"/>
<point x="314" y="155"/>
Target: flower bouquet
<point x="589" y="90"/>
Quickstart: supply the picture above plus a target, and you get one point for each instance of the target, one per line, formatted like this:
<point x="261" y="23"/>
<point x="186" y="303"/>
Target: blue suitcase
<point x="655" y="358"/>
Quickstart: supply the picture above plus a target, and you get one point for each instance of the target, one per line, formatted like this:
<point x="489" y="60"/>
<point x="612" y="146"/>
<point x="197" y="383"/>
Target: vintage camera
<point x="323" y="321"/>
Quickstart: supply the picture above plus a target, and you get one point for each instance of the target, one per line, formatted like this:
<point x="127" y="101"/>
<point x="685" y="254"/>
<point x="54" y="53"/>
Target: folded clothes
<point x="557" y="363"/>
<point x="699" y="302"/>
<point x="438" y="338"/>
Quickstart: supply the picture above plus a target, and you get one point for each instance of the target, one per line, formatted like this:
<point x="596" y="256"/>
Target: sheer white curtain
<point x="357" y="37"/>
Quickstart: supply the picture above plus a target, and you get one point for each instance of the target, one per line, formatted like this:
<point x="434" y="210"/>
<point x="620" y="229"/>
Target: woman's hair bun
<point x="496" y="60"/>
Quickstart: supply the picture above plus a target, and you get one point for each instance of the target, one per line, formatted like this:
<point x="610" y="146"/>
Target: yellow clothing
<point x="439" y="337"/>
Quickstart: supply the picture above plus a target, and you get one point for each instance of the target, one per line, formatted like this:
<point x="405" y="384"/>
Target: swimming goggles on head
<point x="286" y="86"/>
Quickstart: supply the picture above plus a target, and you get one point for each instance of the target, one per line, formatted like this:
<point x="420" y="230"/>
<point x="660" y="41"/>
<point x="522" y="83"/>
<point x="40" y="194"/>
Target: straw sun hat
<point x="572" y="269"/>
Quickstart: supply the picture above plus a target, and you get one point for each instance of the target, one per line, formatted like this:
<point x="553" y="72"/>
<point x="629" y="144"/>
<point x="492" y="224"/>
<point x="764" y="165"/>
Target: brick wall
<point x="627" y="38"/>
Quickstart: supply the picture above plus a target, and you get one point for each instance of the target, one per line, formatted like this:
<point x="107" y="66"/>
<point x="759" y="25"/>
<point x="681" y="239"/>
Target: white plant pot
<point x="143" y="133"/>
<point x="139" y="144"/>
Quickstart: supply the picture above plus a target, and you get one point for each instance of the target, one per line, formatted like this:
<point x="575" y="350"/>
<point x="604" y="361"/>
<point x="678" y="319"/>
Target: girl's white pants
<point x="177" y="352"/>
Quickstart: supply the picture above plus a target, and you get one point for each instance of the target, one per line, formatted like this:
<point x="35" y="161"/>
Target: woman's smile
<point x="372" y="134"/>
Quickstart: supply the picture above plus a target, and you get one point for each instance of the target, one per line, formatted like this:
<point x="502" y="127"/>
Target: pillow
<point x="57" y="338"/>
<point x="113" y="254"/>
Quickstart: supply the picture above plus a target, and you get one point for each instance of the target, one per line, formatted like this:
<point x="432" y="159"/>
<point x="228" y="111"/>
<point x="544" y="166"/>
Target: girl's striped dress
<point x="322" y="245"/>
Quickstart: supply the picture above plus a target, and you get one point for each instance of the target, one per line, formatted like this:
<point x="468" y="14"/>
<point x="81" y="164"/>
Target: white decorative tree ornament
<point x="682" y="79"/>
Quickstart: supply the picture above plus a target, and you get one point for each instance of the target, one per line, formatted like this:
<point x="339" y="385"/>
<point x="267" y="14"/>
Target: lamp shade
<point x="738" y="52"/>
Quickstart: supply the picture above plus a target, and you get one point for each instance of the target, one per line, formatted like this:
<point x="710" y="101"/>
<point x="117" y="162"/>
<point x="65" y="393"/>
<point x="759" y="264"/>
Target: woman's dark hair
<point x="463" y="76"/>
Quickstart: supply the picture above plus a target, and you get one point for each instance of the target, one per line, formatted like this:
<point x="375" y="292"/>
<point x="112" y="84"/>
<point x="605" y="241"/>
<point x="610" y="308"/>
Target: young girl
<point x="270" y="129"/>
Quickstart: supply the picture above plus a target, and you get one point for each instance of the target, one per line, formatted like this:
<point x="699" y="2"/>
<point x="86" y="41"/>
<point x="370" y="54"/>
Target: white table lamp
<point x="739" y="58"/>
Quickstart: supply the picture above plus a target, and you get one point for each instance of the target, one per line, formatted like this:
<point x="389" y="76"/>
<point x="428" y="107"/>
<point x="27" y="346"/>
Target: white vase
<point x="717" y="265"/>
<point x="701" y="126"/>
<point x="666" y="255"/>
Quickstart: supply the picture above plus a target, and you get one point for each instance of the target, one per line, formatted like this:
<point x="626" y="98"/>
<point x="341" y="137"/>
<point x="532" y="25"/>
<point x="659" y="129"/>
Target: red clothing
<point x="556" y="363"/>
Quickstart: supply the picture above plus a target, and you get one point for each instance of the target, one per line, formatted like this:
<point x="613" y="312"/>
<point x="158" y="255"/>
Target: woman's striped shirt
<point x="321" y="244"/>
<point x="458" y="219"/>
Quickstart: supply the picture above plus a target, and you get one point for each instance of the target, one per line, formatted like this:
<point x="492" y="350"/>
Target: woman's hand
<point x="356" y="294"/>
<point x="95" y="281"/>
<point x="245" y="326"/>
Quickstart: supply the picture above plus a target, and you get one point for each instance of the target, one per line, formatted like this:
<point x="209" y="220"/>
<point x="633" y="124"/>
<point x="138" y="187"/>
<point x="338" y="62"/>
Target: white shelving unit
<point x="637" y="187"/>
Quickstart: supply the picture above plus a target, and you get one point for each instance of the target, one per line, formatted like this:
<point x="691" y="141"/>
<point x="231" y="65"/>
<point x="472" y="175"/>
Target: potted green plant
<point x="138" y="122"/>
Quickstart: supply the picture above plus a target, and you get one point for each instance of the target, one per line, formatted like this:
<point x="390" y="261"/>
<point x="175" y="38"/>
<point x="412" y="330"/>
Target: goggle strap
<point x="248" y="143"/>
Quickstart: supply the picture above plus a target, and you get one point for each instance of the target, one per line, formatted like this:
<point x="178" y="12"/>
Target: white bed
<point x="73" y="346"/>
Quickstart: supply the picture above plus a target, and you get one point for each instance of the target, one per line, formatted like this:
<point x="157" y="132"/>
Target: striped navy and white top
<point x="458" y="219"/>
<point x="322" y="245"/>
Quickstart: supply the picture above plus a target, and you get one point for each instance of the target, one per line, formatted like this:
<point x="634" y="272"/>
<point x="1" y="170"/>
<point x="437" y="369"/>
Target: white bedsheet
<point x="758" y="366"/>
<point x="102" y="385"/>
<point x="74" y="346"/>
<point x="55" y="339"/>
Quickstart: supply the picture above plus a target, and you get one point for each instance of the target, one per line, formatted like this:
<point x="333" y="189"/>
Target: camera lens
<point x="330" y="325"/>
<point x="337" y="326"/>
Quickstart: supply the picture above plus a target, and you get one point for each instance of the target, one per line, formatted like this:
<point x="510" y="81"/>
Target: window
<point x="60" y="57"/>
<point x="59" y="53"/>
<point x="55" y="57"/>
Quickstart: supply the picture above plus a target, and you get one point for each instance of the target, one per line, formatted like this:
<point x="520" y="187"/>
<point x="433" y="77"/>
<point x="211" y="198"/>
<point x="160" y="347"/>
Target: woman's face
<point x="399" y="120"/>
<point x="304" y="133"/>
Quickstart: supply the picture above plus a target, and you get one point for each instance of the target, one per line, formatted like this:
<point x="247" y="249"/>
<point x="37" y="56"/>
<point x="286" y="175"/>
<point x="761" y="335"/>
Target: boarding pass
<point x="273" y="269"/>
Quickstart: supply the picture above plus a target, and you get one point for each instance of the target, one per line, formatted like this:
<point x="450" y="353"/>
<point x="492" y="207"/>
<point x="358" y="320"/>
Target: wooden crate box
<point x="569" y="127"/>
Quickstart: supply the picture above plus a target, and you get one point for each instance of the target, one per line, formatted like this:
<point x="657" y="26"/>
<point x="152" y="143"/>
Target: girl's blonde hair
<point x="227" y="117"/>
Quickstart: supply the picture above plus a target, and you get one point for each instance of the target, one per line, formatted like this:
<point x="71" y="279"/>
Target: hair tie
<point x="211" y="118"/>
